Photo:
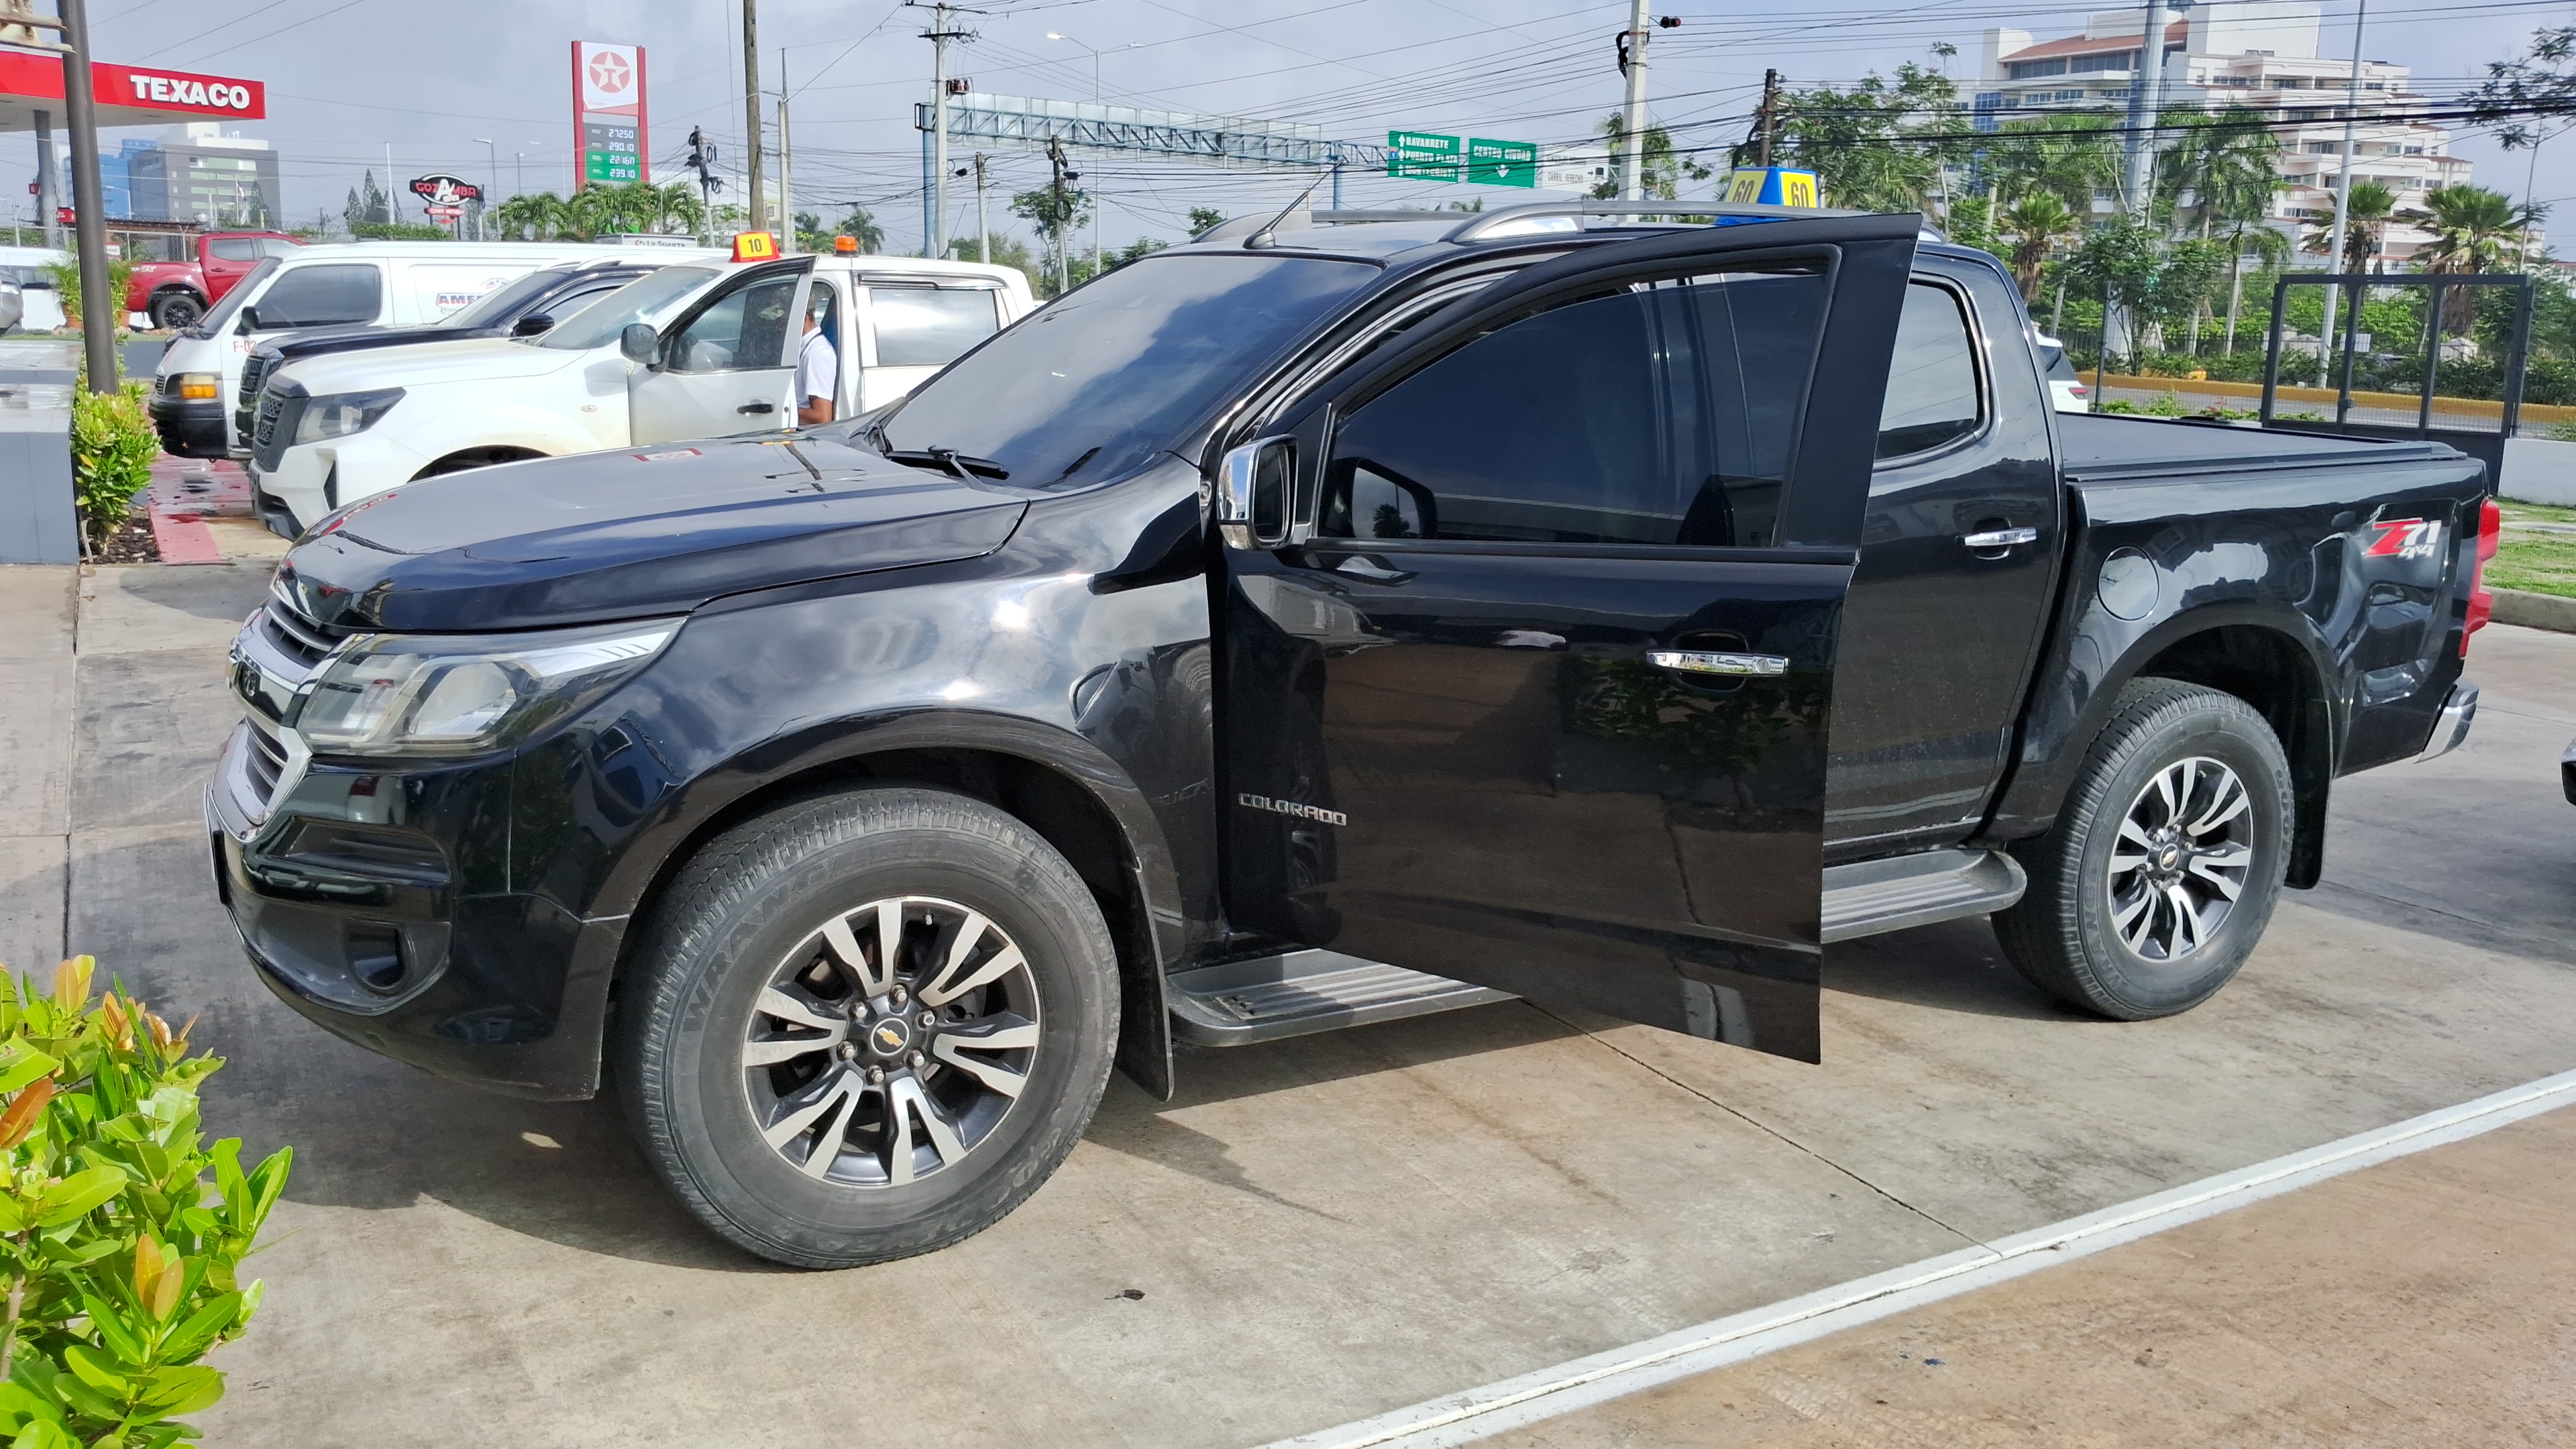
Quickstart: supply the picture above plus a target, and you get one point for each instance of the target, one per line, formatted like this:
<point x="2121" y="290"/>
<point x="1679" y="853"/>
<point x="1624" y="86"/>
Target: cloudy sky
<point x="347" y="78"/>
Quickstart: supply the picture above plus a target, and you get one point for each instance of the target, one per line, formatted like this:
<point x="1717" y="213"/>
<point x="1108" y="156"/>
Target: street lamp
<point x="491" y="168"/>
<point x="1096" y="53"/>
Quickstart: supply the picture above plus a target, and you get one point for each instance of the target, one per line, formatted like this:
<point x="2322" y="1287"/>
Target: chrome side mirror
<point x="1252" y="494"/>
<point x="639" y="342"/>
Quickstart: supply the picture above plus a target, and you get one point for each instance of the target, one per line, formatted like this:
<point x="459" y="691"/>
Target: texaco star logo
<point x="609" y="72"/>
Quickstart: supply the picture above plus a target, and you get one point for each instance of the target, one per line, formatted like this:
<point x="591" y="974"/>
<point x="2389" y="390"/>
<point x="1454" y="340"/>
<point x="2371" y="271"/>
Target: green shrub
<point x="2167" y="405"/>
<point x="2115" y="405"/>
<point x="67" y="286"/>
<point x="113" y="445"/>
<point x="122" y="1266"/>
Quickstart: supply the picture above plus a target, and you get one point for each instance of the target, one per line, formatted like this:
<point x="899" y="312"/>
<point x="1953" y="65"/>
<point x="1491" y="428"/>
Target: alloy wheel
<point x="891" y="1042"/>
<point x="2183" y="855"/>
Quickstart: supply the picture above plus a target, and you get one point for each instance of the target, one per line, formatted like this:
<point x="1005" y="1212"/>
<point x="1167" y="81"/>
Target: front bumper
<point x="189" y="427"/>
<point x="311" y="479"/>
<point x="357" y="907"/>
<point x="2451" y="726"/>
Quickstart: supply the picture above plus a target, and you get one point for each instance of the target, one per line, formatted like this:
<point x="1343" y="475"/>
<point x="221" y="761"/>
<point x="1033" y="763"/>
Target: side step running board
<point x="1269" y="997"/>
<point x="1870" y="897"/>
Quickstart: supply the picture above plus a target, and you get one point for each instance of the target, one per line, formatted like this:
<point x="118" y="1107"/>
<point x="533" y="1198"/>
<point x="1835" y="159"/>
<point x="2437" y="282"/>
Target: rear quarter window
<point x="328" y="295"/>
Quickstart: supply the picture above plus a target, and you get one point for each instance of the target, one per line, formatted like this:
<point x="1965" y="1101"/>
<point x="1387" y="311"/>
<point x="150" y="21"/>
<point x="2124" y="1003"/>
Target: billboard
<point x="608" y="114"/>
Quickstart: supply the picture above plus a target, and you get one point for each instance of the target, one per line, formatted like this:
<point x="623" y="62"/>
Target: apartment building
<point x="2259" y="54"/>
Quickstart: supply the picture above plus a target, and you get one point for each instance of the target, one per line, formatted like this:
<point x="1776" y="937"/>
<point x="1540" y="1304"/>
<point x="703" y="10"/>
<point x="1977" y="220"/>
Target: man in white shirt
<point x="818" y="366"/>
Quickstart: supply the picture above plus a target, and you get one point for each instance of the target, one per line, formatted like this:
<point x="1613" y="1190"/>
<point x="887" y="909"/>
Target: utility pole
<point x="1770" y="117"/>
<point x="983" y="227"/>
<point x="786" y="164"/>
<point x="758" y="217"/>
<point x="2343" y="186"/>
<point x="939" y="35"/>
<point x="1063" y="215"/>
<point x="49" y="185"/>
<point x="1632" y="64"/>
<point x="2145" y="96"/>
<point x="89" y="206"/>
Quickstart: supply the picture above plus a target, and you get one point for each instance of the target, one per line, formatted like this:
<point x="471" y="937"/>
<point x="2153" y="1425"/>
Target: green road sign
<point x="1423" y="155"/>
<point x="1502" y="163"/>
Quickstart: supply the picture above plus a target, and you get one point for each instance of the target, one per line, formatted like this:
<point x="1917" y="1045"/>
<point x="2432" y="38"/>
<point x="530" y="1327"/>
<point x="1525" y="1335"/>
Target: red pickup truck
<point x="175" y="294"/>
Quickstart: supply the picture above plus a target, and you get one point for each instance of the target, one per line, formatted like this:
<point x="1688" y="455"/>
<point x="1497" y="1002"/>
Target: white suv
<point x="713" y="351"/>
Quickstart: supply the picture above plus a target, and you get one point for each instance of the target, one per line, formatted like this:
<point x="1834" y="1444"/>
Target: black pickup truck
<point x="1321" y="623"/>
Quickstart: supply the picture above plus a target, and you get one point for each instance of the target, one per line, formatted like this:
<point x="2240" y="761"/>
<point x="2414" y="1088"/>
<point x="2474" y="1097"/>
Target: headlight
<point x="337" y="415"/>
<point x="414" y="694"/>
<point x="198" y="386"/>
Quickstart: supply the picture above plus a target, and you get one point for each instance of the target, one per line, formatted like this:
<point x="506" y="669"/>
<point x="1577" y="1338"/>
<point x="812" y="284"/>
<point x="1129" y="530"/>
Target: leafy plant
<point x="113" y="445"/>
<point x="122" y="1267"/>
<point x="65" y="275"/>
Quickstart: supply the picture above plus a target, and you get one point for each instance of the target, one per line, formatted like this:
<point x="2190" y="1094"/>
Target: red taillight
<point x="2482" y="603"/>
<point x="2078" y="390"/>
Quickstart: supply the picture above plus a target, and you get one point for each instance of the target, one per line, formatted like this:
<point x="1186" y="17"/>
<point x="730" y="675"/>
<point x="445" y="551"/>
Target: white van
<point x="690" y="351"/>
<point x="372" y="284"/>
<point x="40" y="306"/>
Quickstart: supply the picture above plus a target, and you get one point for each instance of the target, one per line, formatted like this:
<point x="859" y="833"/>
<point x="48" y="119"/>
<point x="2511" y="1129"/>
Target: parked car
<point x="13" y="303"/>
<point x="1269" y="638"/>
<point x="40" y="306"/>
<point x="173" y="295"/>
<point x="524" y="308"/>
<point x="370" y="284"/>
<point x="688" y="352"/>
<point x="2066" y="390"/>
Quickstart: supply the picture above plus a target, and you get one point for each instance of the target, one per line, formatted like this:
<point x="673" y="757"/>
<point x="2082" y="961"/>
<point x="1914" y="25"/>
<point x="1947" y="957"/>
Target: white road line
<point x="1478" y="1413"/>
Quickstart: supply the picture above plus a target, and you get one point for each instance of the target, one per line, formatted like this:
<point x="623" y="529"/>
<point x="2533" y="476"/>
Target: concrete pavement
<point x="2419" y="1304"/>
<point x="1319" y="1229"/>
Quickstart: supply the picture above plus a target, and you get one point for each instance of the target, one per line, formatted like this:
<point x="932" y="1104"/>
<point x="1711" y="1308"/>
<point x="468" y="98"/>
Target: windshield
<point x="496" y="306"/>
<point x="1093" y="383"/>
<point x="641" y="300"/>
<point x="214" y="322"/>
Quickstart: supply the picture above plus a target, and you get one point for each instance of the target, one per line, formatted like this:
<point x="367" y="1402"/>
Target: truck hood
<point x="631" y="534"/>
<point x="422" y="364"/>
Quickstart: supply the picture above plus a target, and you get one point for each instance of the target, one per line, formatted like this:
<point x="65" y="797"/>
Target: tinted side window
<point x="235" y="248"/>
<point x="1932" y="382"/>
<point x="278" y="247"/>
<point x="929" y="326"/>
<point x="744" y="329"/>
<point x="1656" y="414"/>
<point x="323" y="296"/>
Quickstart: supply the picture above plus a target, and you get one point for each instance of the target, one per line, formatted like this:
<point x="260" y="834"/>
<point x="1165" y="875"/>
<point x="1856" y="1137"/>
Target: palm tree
<point x="2473" y="230"/>
<point x="2071" y="155"/>
<point x="2038" y="226"/>
<point x="2225" y="162"/>
<point x="534" y="216"/>
<point x="2268" y="247"/>
<point x="2367" y="212"/>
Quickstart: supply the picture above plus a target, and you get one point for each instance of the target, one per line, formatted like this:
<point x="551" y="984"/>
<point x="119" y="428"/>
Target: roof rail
<point x="1484" y="222"/>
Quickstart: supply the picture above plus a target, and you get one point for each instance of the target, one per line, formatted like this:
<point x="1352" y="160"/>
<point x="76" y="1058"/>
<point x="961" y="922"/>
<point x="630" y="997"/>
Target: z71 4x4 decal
<point x="2403" y="538"/>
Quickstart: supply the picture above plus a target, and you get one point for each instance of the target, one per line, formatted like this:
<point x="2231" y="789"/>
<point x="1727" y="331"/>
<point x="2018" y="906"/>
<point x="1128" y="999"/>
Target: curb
<point x="2534" y="611"/>
<point x="184" y="538"/>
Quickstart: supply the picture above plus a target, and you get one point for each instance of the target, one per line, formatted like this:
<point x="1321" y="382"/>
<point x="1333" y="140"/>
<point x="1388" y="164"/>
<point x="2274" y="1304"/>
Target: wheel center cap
<point x="2169" y="858"/>
<point x="890" y="1036"/>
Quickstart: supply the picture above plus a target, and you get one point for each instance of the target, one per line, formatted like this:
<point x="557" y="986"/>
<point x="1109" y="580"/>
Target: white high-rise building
<point x="2259" y="54"/>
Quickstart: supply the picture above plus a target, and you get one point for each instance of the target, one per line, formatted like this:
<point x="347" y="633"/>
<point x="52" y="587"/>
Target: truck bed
<point x="2110" y="448"/>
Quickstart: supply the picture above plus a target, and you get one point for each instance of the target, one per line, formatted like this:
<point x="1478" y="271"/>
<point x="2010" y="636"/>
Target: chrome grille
<point x="264" y="762"/>
<point x="295" y="636"/>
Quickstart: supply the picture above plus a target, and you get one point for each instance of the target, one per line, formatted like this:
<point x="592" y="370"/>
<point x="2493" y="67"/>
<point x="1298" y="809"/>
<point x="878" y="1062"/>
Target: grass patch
<point x="2517" y="512"/>
<point x="2539" y="563"/>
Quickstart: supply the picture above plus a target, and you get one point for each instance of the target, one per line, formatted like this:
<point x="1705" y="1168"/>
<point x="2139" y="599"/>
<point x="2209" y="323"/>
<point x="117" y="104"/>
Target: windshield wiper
<point x="950" y="459"/>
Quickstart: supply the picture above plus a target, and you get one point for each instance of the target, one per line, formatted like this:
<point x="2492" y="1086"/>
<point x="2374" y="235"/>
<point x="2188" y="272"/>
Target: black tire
<point x="2068" y="935"/>
<point x="737" y="915"/>
<point x="172" y="311"/>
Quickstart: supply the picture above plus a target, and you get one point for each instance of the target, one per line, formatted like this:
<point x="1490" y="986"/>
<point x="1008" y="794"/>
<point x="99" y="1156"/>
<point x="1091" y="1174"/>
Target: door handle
<point x="1699" y="661"/>
<point x="757" y="408"/>
<point x="2000" y="537"/>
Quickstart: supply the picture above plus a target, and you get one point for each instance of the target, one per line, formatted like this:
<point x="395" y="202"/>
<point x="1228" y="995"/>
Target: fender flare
<point x="819" y="746"/>
<point x="2036" y="786"/>
<point x="508" y="427"/>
